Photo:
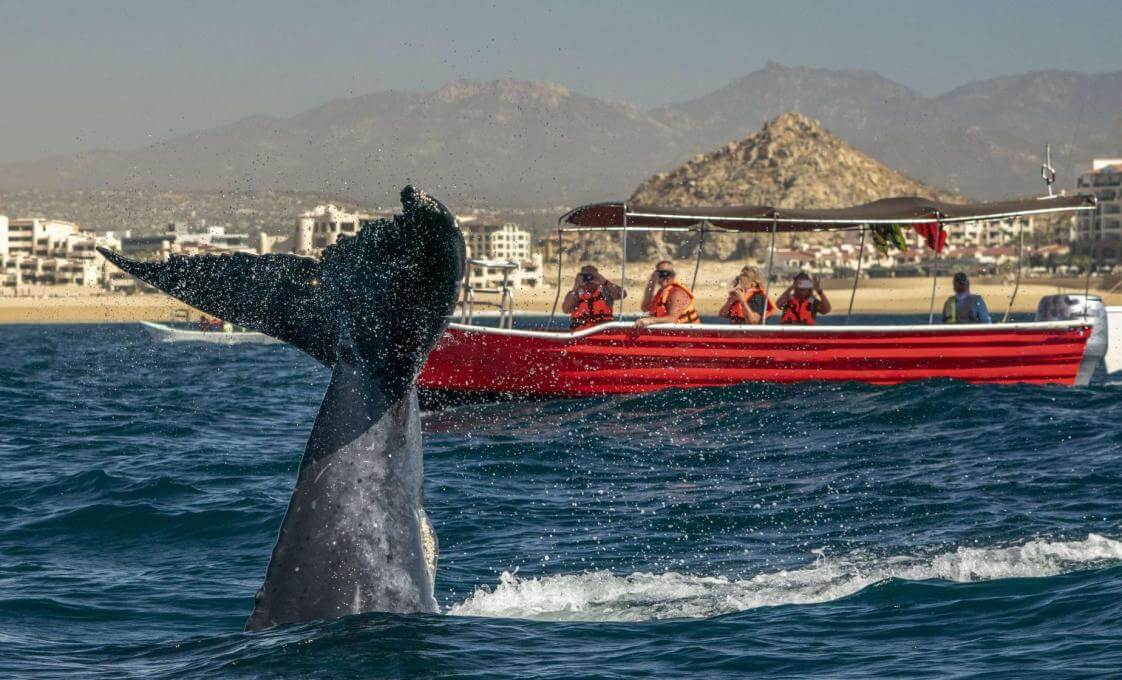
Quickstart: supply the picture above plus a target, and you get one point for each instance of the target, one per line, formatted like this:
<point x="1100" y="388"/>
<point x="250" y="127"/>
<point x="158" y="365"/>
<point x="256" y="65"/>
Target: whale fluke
<point x="279" y="295"/>
<point x="355" y="537"/>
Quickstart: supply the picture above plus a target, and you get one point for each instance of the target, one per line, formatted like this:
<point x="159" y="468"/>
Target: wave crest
<point x="603" y="596"/>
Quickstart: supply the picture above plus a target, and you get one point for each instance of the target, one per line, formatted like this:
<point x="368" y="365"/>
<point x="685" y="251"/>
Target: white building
<point x="498" y="241"/>
<point x="502" y="243"/>
<point x="42" y="252"/>
<point x="36" y="236"/>
<point x="323" y="225"/>
<point x="179" y="238"/>
<point x="1105" y="182"/>
<point x="212" y="237"/>
<point x="990" y="233"/>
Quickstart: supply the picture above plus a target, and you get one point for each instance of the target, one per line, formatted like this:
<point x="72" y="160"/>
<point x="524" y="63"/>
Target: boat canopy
<point x="760" y="218"/>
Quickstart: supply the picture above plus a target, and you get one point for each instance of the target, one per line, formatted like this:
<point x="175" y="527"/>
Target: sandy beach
<point x="874" y="296"/>
<point x="107" y="308"/>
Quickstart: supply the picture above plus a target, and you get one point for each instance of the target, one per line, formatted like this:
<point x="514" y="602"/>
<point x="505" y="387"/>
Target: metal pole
<point x="1020" y="263"/>
<point x="857" y="276"/>
<point x="1091" y="265"/>
<point x="697" y="264"/>
<point x="557" y="298"/>
<point x="465" y="293"/>
<point x="934" y="279"/>
<point x="770" y="259"/>
<point x="623" y="260"/>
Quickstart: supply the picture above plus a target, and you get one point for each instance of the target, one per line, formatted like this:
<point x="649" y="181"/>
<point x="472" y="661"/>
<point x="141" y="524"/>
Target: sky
<point x="76" y="76"/>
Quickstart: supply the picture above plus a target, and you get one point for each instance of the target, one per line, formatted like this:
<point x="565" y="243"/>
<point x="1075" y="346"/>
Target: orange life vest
<point x="736" y="312"/>
<point x="659" y="306"/>
<point x="798" y="311"/>
<point x="592" y="308"/>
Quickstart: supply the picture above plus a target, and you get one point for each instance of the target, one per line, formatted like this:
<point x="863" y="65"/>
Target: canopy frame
<point x="906" y="210"/>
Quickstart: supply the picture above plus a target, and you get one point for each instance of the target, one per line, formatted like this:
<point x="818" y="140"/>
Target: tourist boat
<point x="1063" y="346"/>
<point x="181" y="329"/>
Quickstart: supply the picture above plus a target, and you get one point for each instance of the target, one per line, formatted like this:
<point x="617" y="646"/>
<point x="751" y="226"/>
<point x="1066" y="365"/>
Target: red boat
<point x="474" y="361"/>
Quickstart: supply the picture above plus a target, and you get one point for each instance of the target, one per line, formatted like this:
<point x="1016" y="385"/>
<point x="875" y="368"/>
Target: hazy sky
<point x="83" y="75"/>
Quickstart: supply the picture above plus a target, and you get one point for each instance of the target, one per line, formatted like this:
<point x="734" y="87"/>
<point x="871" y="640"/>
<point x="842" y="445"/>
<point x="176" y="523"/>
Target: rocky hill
<point x="982" y="139"/>
<point x="791" y="162"/>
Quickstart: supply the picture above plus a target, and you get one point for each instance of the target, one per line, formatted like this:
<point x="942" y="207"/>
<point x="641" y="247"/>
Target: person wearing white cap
<point x="964" y="306"/>
<point x="803" y="301"/>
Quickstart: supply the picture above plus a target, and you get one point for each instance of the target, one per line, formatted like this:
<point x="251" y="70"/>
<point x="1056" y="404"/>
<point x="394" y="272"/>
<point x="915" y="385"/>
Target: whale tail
<point x="279" y="295"/>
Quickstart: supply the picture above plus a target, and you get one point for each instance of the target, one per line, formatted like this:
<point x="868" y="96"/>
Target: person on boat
<point x="964" y="306"/>
<point x="803" y="301"/>
<point x="747" y="300"/>
<point x="590" y="301"/>
<point x="208" y="324"/>
<point x="666" y="300"/>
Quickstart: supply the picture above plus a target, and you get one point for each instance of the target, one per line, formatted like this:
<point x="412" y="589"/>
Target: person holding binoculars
<point x="590" y="301"/>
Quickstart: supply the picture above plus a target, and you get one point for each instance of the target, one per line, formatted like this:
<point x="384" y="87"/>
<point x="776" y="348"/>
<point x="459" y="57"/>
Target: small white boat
<point x="227" y="334"/>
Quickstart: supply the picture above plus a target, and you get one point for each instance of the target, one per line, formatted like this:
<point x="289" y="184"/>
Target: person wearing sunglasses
<point x="590" y="301"/>
<point x="666" y="300"/>
<point x="747" y="300"/>
<point x="803" y="301"/>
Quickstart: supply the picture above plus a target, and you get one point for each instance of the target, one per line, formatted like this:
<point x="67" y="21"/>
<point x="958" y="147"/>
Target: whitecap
<point x="604" y="596"/>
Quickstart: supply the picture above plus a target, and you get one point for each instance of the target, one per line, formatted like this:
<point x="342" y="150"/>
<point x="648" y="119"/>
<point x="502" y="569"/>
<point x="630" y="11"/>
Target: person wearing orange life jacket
<point x="666" y="300"/>
<point x="590" y="301"/>
<point x="747" y="300"/>
<point x="803" y="301"/>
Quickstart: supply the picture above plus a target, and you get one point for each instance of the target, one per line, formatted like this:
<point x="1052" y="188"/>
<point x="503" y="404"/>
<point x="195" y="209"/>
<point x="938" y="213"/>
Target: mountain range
<point x="516" y="143"/>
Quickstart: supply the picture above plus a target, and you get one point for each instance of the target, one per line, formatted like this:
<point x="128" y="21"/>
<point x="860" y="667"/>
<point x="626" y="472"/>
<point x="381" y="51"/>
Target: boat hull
<point x="614" y="359"/>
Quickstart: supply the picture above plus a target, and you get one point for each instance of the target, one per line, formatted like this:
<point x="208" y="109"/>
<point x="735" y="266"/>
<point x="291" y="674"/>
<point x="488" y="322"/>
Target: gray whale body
<point x="355" y="537"/>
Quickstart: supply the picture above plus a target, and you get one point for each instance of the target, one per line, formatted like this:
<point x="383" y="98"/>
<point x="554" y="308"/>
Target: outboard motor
<point x="1077" y="306"/>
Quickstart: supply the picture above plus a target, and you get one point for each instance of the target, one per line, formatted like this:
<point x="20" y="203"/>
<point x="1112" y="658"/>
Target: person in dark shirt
<point x="591" y="300"/>
<point x="964" y="306"/>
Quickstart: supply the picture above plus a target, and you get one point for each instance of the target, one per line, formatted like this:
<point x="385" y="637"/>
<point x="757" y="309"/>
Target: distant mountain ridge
<point x="516" y="143"/>
<point x="983" y="139"/>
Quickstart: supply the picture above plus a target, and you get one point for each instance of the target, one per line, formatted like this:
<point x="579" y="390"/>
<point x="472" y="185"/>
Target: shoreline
<point x="874" y="296"/>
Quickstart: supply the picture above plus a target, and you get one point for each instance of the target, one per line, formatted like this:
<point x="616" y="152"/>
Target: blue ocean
<point x="927" y="530"/>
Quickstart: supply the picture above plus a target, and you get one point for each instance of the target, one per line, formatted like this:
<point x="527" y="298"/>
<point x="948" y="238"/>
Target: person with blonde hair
<point x="747" y="302"/>
<point x="666" y="300"/>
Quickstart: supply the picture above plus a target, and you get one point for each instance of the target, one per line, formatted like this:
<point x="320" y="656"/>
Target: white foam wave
<point x="603" y="596"/>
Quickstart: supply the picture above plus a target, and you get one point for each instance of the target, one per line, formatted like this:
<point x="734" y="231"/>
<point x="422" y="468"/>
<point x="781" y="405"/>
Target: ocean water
<point x="926" y="530"/>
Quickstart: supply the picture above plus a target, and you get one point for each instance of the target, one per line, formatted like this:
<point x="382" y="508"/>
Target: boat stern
<point x="1072" y="307"/>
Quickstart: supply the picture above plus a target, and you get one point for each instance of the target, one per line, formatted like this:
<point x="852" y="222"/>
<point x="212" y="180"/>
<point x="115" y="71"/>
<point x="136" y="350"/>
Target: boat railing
<point x="503" y="293"/>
